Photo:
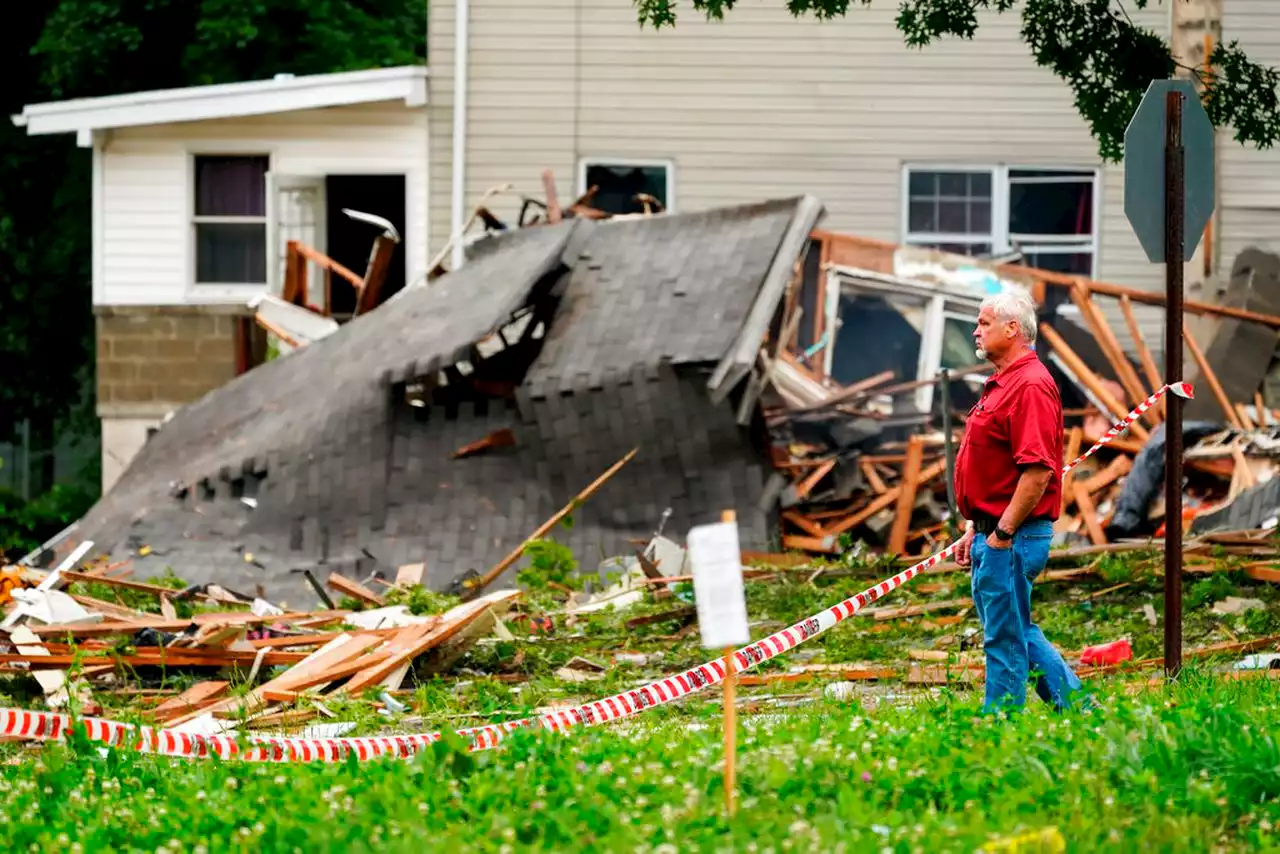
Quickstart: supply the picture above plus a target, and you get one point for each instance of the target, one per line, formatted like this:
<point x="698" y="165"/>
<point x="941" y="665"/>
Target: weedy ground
<point x="1193" y="767"/>
<point x="1189" y="767"/>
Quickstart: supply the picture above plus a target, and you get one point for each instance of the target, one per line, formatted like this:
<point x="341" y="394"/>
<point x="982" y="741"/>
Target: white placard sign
<point x="717" y="585"/>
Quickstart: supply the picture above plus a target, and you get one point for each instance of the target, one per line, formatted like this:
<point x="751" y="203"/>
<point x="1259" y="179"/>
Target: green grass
<point x="1192" y="768"/>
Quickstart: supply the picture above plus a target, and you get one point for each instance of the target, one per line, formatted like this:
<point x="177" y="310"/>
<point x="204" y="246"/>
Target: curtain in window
<point x="229" y="252"/>
<point x="231" y="186"/>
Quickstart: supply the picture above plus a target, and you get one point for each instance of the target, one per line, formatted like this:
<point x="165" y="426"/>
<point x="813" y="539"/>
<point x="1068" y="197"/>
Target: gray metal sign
<point x="1144" y="159"/>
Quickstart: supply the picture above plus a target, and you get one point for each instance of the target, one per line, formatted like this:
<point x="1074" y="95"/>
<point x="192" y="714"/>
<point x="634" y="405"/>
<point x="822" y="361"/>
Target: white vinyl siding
<point x="1249" y="178"/>
<point x="758" y="105"/>
<point x="148" y="186"/>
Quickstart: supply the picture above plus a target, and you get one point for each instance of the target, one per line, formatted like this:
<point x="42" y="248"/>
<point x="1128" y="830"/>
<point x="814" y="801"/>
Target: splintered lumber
<point x="492" y="575"/>
<point x="882" y="501"/>
<point x="106" y="629"/>
<point x="873" y="477"/>
<point x="312" y="670"/>
<point x="917" y="610"/>
<point x="907" y="496"/>
<point x="160" y="656"/>
<point x="1210" y="378"/>
<point x="1110" y="347"/>
<point x="355" y="590"/>
<point x="804" y="487"/>
<point x="1265" y="572"/>
<point x="410" y="574"/>
<point x="196" y="697"/>
<point x="412" y="644"/>
<point x="1140" y="344"/>
<point x="503" y="438"/>
<point x="1090" y="380"/>
<point x="1116" y="469"/>
<point x="92" y="578"/>
<point x="1089" y="513"/>
<point x="843" y="395"/>
<point x="1074" y="437"/>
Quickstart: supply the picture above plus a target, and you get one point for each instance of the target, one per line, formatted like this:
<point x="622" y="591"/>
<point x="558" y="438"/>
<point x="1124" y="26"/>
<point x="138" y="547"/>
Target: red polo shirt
<point x="1017" y="422"/>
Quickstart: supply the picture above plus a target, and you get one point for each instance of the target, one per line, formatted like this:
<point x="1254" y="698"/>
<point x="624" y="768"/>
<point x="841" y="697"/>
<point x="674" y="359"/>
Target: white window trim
<point x="1001" y="240"/>
<point x="938" y="308"/>
<point x="639" y="162"/>
<point x="222" y="291"/>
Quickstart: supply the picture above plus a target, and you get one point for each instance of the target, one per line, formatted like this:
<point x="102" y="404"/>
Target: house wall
<point x="147" y="188"/>
<point x="760" y="104"/>
<point x="151" y="360"/>
<point x="1249" y="179"/>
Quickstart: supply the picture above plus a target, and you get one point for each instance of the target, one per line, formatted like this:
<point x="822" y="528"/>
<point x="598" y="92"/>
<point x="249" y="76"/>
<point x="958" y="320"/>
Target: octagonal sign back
<point x="1144" y="168"/>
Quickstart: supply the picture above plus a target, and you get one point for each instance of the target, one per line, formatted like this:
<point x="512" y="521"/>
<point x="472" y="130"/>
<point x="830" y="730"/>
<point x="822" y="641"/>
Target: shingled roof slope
<point x="347" y="476"/>
<point x="665" y="289"/>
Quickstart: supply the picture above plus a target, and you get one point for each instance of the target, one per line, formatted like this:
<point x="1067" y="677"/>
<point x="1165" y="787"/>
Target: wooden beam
<point x="883" y="501"/>
<point x="1111" y="348"/>
<point x="1090" y="379"/>
<point x="907" y="496"/>
<point x="873" y="477"/>
<point x="1210" y="378"/>
<point x="1118" y="468"/>
<point x="1089" y="513"/>
<point x="1149" y="367"/>
<point x="1074" y="437"/>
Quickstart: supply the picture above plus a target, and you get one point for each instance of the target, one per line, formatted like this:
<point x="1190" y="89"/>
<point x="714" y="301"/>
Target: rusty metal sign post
<point x="1168" y="198"/>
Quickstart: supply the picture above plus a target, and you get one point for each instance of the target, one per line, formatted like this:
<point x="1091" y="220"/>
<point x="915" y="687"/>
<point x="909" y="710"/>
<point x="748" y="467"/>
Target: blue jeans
<point x="1015" y="646"/>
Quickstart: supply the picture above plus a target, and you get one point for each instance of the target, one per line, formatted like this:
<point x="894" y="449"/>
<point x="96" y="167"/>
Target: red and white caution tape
<point x="1182" y="390"/>
<point x="49" y="726"/>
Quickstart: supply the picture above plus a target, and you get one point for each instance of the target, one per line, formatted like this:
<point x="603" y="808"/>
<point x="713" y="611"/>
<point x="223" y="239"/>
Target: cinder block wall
<point x="152" y="359"/>
<point x="165" y="355"/>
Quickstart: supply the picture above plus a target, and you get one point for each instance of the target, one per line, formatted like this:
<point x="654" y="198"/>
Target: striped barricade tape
<point x="37" y="725"/>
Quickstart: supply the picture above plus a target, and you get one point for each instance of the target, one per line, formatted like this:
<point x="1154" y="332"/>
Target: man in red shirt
<point x="1008" y="483"/>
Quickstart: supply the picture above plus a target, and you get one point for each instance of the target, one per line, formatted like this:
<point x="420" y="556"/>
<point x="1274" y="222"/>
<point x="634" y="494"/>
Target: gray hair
<point x="1014" y="303"/>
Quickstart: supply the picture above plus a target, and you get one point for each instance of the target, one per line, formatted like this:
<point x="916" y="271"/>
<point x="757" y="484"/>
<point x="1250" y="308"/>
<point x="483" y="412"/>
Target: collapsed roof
<point x="584" y="339"/>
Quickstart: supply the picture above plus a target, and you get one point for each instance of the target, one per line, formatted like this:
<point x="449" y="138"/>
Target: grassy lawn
<point x="894" y="767"/>
<point x="1195" y="767"/>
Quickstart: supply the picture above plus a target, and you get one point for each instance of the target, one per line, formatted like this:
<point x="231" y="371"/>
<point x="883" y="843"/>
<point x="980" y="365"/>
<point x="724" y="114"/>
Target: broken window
<point x="1045" y="214"/>
<point x="230" y="220"/>
<point x="912" y="329"/>
<point x="628" y="188"/>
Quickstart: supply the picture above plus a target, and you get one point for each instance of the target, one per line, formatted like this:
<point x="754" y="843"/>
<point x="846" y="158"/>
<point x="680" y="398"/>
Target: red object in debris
<point x="1107" y="653"/>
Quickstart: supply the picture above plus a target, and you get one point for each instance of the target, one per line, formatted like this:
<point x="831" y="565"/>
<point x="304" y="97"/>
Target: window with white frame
<point x="628" y="187"/>
<point x="230" y="219"/>
<point x="1047" y="215"/>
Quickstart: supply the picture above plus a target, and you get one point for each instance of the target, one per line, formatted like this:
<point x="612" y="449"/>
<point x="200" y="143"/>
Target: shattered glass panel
<point x="876" y="335"/>
<point x="957" y="343"/>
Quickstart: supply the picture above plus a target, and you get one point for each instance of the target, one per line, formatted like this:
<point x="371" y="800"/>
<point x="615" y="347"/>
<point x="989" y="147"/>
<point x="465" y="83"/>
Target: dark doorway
<point x="350" y="241"/>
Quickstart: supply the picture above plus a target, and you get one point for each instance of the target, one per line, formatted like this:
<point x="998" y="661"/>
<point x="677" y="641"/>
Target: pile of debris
<point x="868" y="456"/>
<point x="75" y="645"/>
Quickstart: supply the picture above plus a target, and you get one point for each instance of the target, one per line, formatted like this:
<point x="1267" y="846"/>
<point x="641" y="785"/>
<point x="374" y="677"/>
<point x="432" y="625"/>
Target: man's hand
<point x="994" y="542"/>
<point x="963" y="555"/>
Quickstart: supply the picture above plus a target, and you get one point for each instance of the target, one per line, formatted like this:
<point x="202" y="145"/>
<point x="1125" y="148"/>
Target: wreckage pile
<point x="869" y="460"/>
<point x="206" y="660"/>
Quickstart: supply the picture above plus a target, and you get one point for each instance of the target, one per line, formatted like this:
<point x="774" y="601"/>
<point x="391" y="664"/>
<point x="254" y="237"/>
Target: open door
<point x="296" y="211"/>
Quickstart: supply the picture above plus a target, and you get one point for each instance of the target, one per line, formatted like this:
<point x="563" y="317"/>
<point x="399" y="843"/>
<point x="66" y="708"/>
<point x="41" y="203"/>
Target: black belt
<point x="984" y="524"/>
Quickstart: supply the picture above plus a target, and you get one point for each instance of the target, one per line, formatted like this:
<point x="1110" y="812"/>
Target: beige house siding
<point x="1249" y="179"/>
<point x="147" y="186"/>
<point x="760" y="104"/>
